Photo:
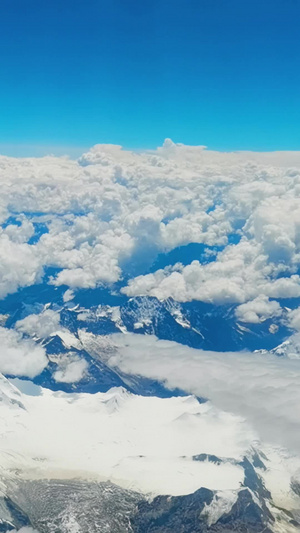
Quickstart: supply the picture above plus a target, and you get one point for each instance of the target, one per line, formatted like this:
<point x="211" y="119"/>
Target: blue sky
<point x="224" y="73"/>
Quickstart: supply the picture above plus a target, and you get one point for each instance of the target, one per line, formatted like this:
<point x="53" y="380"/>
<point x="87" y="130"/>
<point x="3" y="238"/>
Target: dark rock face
<point x="98" y="378"/>
<point x="245" y="516"/>
<point x="207" y="457"/>
<point x="5" y="526"/>
<point x="295" y="486"/>
<point x="168" y="514"/>
<point x="253" y="481"/>
<point x="11" y="515"/>
<point x="75" y="506"/>
<point x="183" y="514"/>
<point x="211" y="327"/>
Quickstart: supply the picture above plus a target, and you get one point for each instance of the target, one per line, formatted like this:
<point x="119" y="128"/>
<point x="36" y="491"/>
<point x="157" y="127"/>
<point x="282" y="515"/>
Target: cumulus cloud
<point x="240" y="273"/>
<point x="224" y="280"/>
<point x="262" y="388"/>
<point x="113" y="205"/>
<point x="40" y="325"/>
<point x="19" y="266"/>
<point x="294" y="319"/>
<point x="19" y="356"/>
<point x="20" y="233"/>
<point x="258" y="310"/>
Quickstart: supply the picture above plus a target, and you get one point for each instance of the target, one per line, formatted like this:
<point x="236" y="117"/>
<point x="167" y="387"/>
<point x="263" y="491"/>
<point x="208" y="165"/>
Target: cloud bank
<point x="90" y="218"/>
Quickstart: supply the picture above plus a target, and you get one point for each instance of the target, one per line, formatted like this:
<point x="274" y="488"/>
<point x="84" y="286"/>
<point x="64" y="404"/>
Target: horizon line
<point x="73" y="151"/>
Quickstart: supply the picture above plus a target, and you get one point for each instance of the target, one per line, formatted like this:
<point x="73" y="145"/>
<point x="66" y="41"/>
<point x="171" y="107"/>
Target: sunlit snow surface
<point x="149" y="445"/>
<point x="142" y="443"/>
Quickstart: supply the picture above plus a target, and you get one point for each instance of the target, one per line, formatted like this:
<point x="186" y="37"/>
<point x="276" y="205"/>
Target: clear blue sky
<point x="224" y="73"/>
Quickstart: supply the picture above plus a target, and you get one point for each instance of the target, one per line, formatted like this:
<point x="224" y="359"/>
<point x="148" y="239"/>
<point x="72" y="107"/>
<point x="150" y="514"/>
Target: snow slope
<point x="142" y="443"/>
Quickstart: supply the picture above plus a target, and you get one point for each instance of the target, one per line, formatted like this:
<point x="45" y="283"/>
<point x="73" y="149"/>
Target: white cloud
<point x="71" y="369"/>
<point x="262" y="388"/>
<point x="68" y="295"/>
<point x="19" y="266"/>
<point x="236" y="276"/>
<point x="40" y="325"/>
<point x="112" y="205"/>
<point x="19" y="356"/>
<point x="294" y="319"/>
<point x="258" y="310"/>
<point x="20" y="233"/>
<point x="240" y="273"/>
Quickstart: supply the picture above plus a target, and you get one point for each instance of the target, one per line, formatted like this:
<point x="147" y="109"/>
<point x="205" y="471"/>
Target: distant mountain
<point x="194" y="324"/>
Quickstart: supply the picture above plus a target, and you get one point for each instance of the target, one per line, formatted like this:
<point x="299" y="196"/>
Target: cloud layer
<point x="262" y="388"/>
<point x="89" y="218"/>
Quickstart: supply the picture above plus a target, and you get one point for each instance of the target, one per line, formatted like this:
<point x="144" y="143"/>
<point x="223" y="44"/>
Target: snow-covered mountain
<point x="139" y="464"/>
<point x="133" y="441"/>
<point x="73" y="333"/>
